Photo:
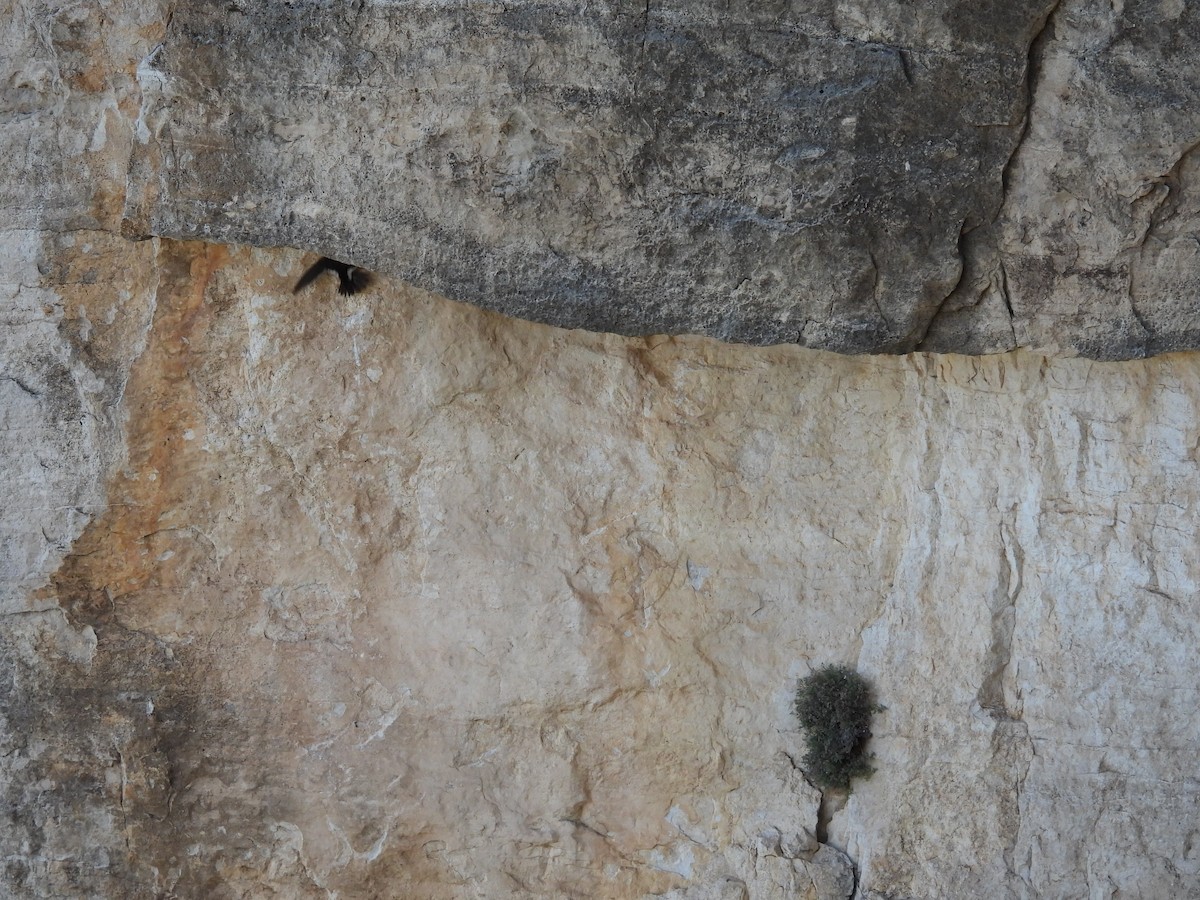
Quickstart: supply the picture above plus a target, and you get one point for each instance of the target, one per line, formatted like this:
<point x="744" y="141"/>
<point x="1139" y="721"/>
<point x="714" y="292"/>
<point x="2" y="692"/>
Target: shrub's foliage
<point x="835" y="704"/>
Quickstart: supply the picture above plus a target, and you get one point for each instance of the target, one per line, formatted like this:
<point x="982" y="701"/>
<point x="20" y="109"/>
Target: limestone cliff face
<point x="851" y="175"/>
<point x="386" y="595"/>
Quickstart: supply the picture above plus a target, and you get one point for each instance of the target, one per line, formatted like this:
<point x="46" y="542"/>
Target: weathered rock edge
<point x="851" y="177"/>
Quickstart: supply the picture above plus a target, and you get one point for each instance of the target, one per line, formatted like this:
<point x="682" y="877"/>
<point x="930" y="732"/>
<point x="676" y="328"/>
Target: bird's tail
<point x="356" y="280"/>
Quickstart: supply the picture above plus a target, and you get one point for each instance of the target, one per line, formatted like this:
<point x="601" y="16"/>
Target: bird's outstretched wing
<point x="312" y="273"/>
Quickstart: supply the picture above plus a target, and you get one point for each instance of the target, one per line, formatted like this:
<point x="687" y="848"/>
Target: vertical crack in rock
<point x="1033" y="68"/>
<point x="905" y="67"/>
<point x="875" y="292"/>
<point x="1025" y="753"/>
<point x="1147" y="331"/>
<point x="1007" y="298"/>
<point x="825" y="812"/>
<point x="978" y="244"/>
<point x="1011" y="745"/>
<point x="930" y="472"/>
<point x="645" y="31"/>
<point x="961" y="249"/>
<point x="1004" y="611"/>
<point x="834" y="873"/>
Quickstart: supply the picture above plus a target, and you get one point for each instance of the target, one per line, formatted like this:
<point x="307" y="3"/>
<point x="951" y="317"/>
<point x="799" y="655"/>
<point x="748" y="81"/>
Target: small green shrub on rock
<point x="835" y="705"/>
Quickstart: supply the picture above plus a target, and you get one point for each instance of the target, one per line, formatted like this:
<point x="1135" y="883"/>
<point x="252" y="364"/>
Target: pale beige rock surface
<point x="397" y="597"/>
<point x="385" y="596"/>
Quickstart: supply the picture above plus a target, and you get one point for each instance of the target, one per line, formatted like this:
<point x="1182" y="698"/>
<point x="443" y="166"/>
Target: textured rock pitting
<point x="764" y="175"/>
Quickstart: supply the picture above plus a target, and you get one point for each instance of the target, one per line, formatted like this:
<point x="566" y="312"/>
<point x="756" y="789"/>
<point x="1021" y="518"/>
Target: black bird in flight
<point x="351" y="279"/>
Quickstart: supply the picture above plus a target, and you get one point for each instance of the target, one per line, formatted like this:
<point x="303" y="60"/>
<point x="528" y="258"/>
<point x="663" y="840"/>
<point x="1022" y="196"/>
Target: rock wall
<point x="394" y="596"/>
<point x="850" y="175"/>
<point x="385" y="595"/>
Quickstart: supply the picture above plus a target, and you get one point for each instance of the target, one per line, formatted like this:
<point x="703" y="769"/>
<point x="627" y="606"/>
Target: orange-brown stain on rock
<point x="108" y="203"/>
<point x="120" y="552"/>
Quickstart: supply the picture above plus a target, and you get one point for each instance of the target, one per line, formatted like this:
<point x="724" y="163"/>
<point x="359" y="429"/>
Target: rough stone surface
<point x="759" y="172"/>
<point x="1095" y="250"/>
<point x="852" y="176"/>
<point x="74" y="296"/>
<point x="396" y="596"/>
<point x="313" y="596"/>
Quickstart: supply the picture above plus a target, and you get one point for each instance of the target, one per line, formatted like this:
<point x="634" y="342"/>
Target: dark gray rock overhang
<point x="856" y="177"/>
